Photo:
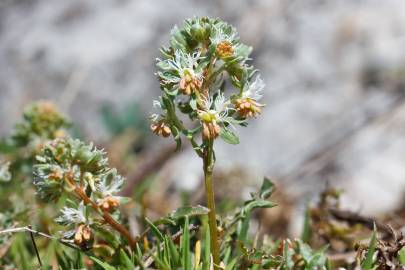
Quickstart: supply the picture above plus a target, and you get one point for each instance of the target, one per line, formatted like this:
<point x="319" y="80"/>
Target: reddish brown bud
<point x="160" y="128"/>
<point x="189" y="84"/>
<point x="83" y="235"/>
<point x="210" y="130"/>
<point x="109" y="204"/>
<point x="247" y="107"/>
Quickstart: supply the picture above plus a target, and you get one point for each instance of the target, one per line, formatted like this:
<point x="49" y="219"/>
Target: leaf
<point x="318" y="259"/>
<point x="367" y="264"/>
<point x="228" y="136"/>
<point x="105" y="266"/>
<point x="185" y="246"/>
<point x="182" y="212"/>
<point x="125" y="260"/>
<point x="243" y="228"/>
<point x="177" y="138"/>
<point x="401" y="256"/>
<point x="306" y="231"/>
<point x="259" y="203"/>
<point x="155" y="230"/>
<point x="189" y="211"/>
<point x="287" y="254"/>
<point x="161" y="264"/>
<point x="232" y="264"/>
<point x="174" y="253"/>
<point x="266" y="189"/>
<point x="304" y="250"/>
<point x="207" y="245"/>
<point x="243" y="51"/>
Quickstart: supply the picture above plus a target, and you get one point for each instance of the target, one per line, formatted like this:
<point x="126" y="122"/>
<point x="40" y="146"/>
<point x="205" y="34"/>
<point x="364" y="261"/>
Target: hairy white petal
<point x="72" y="215"/>
<point x="254" y="90"/>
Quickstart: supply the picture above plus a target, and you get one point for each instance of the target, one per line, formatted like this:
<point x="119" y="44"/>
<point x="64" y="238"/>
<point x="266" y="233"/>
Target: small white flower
<point x="5" y="174"/>
<point x="254" y="90"/>
<point x="110" y="183"/>
<point x="217" y="109"/>
<point x="220" y="36"/>
<point x="154" y="117"/>
<point x="72" y="215"/>
<point x="157" y="104"/>
<point x="185" y="64"/>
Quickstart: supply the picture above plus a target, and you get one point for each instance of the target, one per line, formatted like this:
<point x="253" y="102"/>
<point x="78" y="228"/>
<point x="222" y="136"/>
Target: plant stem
<point x="106" y="216"/>
<point x="208" y="159"/>
<point x="29" y="229"/>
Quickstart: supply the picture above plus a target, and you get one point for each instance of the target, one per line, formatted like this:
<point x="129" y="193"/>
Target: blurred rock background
<point x="335" y="73"/>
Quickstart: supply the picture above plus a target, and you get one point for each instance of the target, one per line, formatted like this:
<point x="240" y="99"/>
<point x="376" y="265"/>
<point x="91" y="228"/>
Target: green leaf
<point x="367" y="264"/>
<point x="232" y="264"/>
<point x="161" y="264"/>
<point x="105" y="265"/>
<point x="174" y="253"/>
<point x="185" y="246"/>
<point x="318" y="259"/>
<point x="306" y="231"/>
<point x="189" y="211"/>
<point x="228" y="136"/>
<point x="155" y="230"/>
<point x="207" y="244"/>
<point x="125" y="260"/>
<point x="287" y="253"/>
<point x="259" y="203"/>
<point x="176" y="135"/>
<point x="243" y="228"/>
<point x="243" y="51"/>
<point x="266" y="189"/>
<point x="401" y="256"/>
<point x="181" y="213"/>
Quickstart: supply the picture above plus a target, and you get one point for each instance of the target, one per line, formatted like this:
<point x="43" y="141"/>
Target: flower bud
<point x="83" y="235"/>
<point x="189" y="83"/>
<point x="210" y="130"/>
<point x="160" y="128"/>
<point x="224" y="49"/>
<point x="247" y="107"/>
<point x="109" y="204"/>
<point x="56" y="174"/>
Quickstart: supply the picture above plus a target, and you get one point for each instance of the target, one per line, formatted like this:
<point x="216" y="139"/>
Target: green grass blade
<point x="401" y="256"/>
<point x="367" y="264"/>
<point x="125" y="260"/>
<point x="185" y="246"/>
<point x="207" y="245"/>
<point x="306" y="230"/>
<point x="104" y="265"/>
<point x="155" y="230"/>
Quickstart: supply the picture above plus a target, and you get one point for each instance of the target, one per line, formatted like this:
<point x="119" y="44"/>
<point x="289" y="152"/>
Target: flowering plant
<point x="204" y="54"/>
<point x="80" y="171"/>
<point x="208" y="88"/>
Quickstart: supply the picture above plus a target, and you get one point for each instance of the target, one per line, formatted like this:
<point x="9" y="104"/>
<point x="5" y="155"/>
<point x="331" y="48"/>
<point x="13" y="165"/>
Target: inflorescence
<point x="81" y="172"/>
<point x="203" y="55"/>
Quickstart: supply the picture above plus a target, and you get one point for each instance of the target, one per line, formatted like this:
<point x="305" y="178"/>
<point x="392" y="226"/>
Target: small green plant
<point x="81" y="172"/>
<point x="204" y="55"/>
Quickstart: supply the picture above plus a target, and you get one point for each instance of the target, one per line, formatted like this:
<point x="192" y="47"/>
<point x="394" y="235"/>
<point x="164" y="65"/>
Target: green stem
<point x="179" y="125"/>
<point x="208" y="158"/>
